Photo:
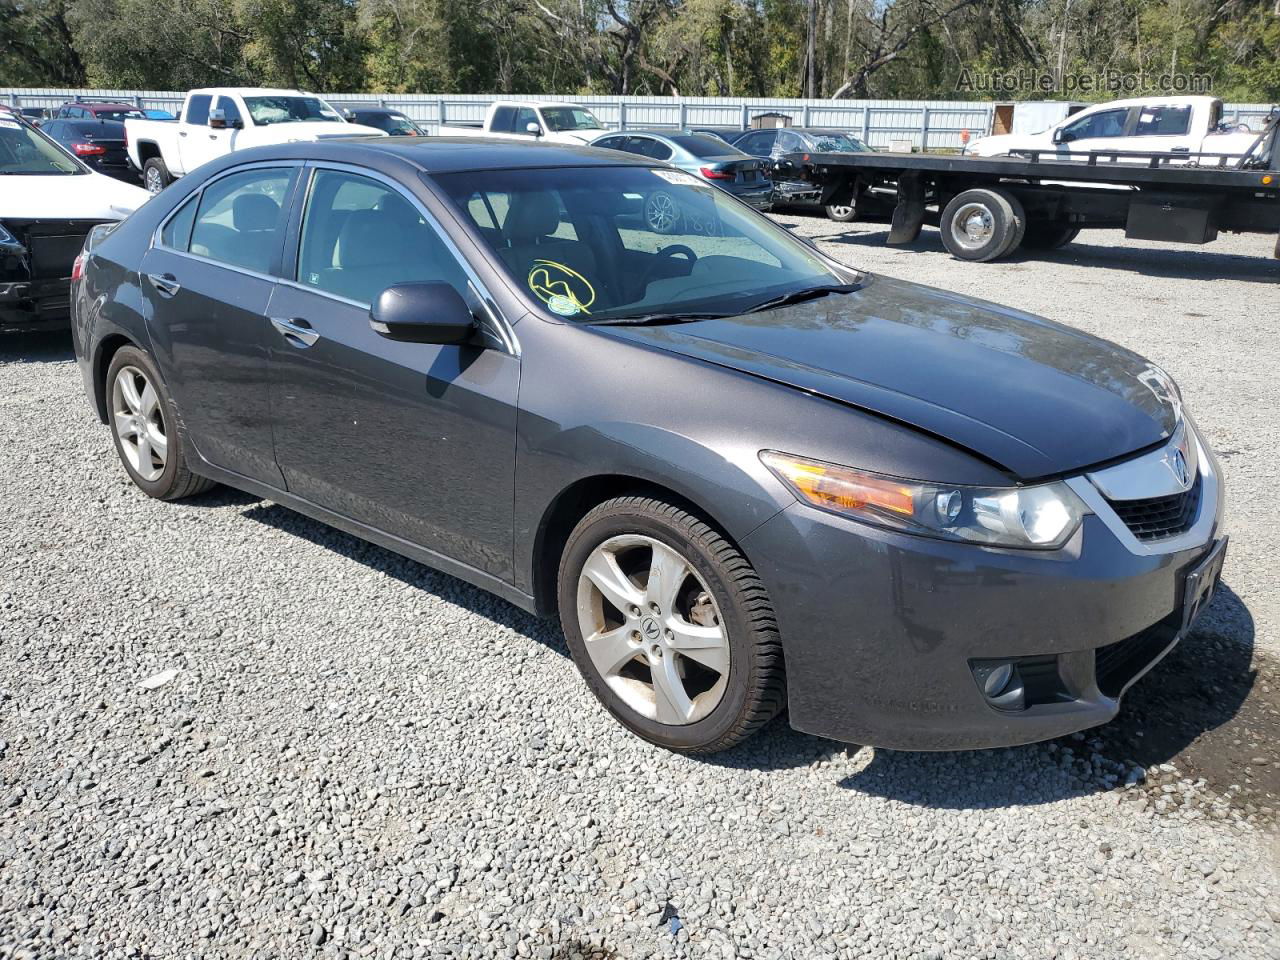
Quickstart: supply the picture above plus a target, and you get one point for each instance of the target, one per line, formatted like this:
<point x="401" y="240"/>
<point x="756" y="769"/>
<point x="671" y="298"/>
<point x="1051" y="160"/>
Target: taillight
<point x="77" y="266"/>
<point x="88" y="149"/>
<point x="711" y="173"/>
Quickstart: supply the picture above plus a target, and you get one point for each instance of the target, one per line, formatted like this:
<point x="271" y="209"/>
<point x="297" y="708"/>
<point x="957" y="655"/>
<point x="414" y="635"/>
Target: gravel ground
<point x="343" y="753"/>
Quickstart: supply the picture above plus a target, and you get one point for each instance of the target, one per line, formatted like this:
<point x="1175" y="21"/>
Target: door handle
<point x="182" y="133"/>
<point x="213" y="136"/>
<point x="296" y="331"/>
<point x="1180" y="150"/>
<point x="166" y="285"/>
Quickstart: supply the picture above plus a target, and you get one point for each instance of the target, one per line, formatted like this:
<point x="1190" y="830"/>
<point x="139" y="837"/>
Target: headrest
<point x="532" y="216"/>
<point x="254" y="211"/>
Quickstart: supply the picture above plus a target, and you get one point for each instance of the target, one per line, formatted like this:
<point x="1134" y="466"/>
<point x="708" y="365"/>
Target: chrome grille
<point x="1159" y="518"/>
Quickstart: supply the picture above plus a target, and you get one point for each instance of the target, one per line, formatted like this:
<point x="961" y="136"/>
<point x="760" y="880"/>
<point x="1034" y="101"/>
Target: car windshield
<point x="837" y="143"/>
<point x="266" y="111"/>
<point x="633" y="243"/>
<point x="24" y="151"/>
<point x="570" y="118"/>
<point x="118" y="115"/>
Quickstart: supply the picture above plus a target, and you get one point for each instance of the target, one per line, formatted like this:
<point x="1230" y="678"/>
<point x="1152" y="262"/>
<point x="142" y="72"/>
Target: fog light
<point x="1000" y="683"/>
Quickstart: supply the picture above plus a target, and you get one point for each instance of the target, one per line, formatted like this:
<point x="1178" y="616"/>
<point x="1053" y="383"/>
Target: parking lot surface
<point x="348" y="754"/>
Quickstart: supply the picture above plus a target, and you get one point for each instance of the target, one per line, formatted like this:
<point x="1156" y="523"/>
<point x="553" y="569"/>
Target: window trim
<point x="503" y="328"/>
<point x="1164" y="106"/>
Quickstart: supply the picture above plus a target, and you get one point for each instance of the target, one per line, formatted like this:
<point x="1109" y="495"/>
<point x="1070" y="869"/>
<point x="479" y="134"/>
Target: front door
<point x="208" y="283"/>
<point x="416" y="440"/>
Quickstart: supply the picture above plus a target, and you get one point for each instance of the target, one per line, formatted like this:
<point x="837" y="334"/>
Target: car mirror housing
<point x="1061" y="136"/>
<point x="422" y="313"/>
<point x="533" y="128"/>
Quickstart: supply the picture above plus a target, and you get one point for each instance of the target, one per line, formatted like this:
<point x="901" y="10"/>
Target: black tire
<point x="1019" y="230"/>
<point x="1049" y="235"/>
<point x="842" y="213"/>
<point x="754" y="686"/>
<point x="175" y="480"/>
<point x="155" y="175"/>
<point x="996" y="217"/>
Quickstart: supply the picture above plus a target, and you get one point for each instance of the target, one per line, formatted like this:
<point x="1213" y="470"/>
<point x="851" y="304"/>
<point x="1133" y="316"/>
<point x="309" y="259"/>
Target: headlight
<point x="1040" y="517"/>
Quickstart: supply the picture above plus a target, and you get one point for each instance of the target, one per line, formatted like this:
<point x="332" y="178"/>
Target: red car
<point x="99" y="111"/>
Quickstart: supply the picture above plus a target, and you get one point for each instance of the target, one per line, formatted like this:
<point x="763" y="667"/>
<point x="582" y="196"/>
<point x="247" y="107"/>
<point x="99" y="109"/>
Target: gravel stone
<point x="358" y="756"/>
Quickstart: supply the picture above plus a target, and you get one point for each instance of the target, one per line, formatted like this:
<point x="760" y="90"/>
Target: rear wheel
<point x="979" y="225"/>
<point x="1049" y="235"/>
<point x="841" y="213"/>
<point x="670" y="626"/>
<point x="144" y="426"/>
<point x="155" y="175"/>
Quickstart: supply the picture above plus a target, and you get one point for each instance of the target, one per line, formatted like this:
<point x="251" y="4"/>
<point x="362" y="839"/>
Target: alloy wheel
<point x="153" y="183"/>
<point x="139" y="423"/>
<point x="972" y="226"/>
<point x="652" y="629"/>
<point x="661" y="212"/>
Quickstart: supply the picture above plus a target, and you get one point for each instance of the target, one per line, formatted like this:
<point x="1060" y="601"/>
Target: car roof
<point x="101" y="105"/>
<point x="435" y="155"/>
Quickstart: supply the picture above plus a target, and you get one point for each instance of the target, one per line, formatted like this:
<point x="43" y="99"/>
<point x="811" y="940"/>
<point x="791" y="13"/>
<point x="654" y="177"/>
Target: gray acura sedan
<point x="743" y="476"/>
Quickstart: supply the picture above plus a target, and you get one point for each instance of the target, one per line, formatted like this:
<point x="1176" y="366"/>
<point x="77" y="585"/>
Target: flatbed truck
<point x="986" y="208"/>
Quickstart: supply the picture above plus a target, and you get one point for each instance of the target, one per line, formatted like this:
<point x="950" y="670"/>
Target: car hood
<point x="1035" y="397"/>
<point x="89" y="196"/>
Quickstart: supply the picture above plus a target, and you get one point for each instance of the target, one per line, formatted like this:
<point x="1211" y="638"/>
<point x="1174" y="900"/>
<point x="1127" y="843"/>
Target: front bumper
<point x="883" y="632"/>
<point x="35" y="305"/>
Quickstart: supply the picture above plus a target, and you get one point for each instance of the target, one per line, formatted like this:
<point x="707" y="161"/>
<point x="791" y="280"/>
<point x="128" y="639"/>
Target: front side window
<point x="229" y="110"/>
<point x="570" y="118"/>
<point x="622" y="242"/>
<point x="524" y="117"/>
<point x="241" y="218"/>
<point x="1164" y="121"/>
<point x="360" y="236"/>
<point x="267" y="111"/>
<point x="1104" y="123"/>
<point x="758" y="144"/>
<point x="24" y="151"/>
<point x="789" y="142"/>
<point x="198" y="109"/>
<point x="837" y="143"/>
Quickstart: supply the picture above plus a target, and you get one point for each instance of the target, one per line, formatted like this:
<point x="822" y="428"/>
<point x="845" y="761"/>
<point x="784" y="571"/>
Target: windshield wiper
<point x="654" y="319"/>
<point x="800" y="296"/>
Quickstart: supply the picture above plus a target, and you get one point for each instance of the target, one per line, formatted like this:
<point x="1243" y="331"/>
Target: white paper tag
<point x="11" y="124"/>
<point x="680" y="177"/>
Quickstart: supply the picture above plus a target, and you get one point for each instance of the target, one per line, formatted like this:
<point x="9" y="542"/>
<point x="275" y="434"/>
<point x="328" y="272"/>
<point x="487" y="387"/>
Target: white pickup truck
<point x="531" y="120"/>
<point x="1170" y="125"/>
<point x="218" y="120"/>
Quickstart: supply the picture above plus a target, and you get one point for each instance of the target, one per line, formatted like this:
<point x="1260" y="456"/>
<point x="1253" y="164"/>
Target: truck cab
<point x="219" y="120"/>
<point x="551" y="121"/>
<point x="1172" y="125"/>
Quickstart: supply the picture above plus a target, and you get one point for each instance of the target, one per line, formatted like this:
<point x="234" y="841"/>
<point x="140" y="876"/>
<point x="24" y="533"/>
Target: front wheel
<point x="841" y="213"/>
<point x="670" y="626"/>
<point x="155" y="175"/>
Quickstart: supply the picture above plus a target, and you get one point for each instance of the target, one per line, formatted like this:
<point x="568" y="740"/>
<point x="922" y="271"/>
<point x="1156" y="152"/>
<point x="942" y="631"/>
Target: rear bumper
<point x="885" y="635"/>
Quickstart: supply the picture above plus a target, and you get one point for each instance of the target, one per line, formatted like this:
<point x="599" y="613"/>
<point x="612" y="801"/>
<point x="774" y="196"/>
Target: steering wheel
<point x="666" y="253"/>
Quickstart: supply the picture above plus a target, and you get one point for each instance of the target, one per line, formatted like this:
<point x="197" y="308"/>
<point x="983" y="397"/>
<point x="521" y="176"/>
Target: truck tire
<point x="1049" y="235"/>
<point x="842" y="213"/>
<point x="155" y="175"/>
<point x="979" y="225"/>
<point x="1019" y="222"/>
<point x="670" y="626"/>
<point x="146" y="429"/>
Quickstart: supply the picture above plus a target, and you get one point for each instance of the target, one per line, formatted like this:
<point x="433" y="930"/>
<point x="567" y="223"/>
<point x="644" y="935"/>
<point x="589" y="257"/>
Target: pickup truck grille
<point x="1158" y="518"/>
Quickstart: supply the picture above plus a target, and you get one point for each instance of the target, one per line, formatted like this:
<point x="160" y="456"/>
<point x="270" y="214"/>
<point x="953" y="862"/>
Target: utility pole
<point x="811" y="52"/>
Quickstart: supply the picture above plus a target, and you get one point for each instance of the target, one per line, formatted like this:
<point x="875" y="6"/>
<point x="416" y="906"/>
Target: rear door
<point x="1163" y="128"/>
<point x="193" y="125"/>
<point x="415" y="440"/>
<point x="207" y="282"/>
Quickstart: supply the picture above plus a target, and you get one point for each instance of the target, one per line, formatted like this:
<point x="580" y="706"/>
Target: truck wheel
<point x="1019" y="230"/>
<point x="670" y="626"/>
<point x="842" y="213"/>
<point x="144" y="425"/>
<point x="1049" y="235"/>
<point x="978" y="225"/>
<point x="155" y="175"/>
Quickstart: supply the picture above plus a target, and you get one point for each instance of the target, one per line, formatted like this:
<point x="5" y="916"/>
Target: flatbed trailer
<point x="987" y="208"/>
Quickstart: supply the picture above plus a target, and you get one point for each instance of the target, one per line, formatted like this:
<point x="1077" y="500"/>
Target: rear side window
<point x="176" y="234"/>
<point x="1164" y="121"/>
<point x="198" y="109"/>
<point x="648" y="147"/>
<point x="360" y="236"/>
<point x="758" y="144"/>
<point x="502" y="119"/>
<point x="241" y="217"/>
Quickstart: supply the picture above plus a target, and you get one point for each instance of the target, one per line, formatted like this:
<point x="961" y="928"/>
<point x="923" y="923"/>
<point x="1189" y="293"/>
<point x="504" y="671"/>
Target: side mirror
<point x="422" y="313"/>
<point x="533" y="128"/>
<point x="1063" y="136"/>
<point x="218" y="119"/>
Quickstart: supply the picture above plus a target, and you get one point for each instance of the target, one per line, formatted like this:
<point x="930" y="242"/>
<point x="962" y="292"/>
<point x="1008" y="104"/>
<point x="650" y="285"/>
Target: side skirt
<point x="405" y="548"/>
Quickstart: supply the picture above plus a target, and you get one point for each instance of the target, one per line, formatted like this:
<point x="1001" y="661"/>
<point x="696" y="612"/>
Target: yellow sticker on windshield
<point x="564" y="290"/>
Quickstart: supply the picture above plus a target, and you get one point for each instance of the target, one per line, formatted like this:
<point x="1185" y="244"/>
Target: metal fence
<point x="883" y="124"/>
